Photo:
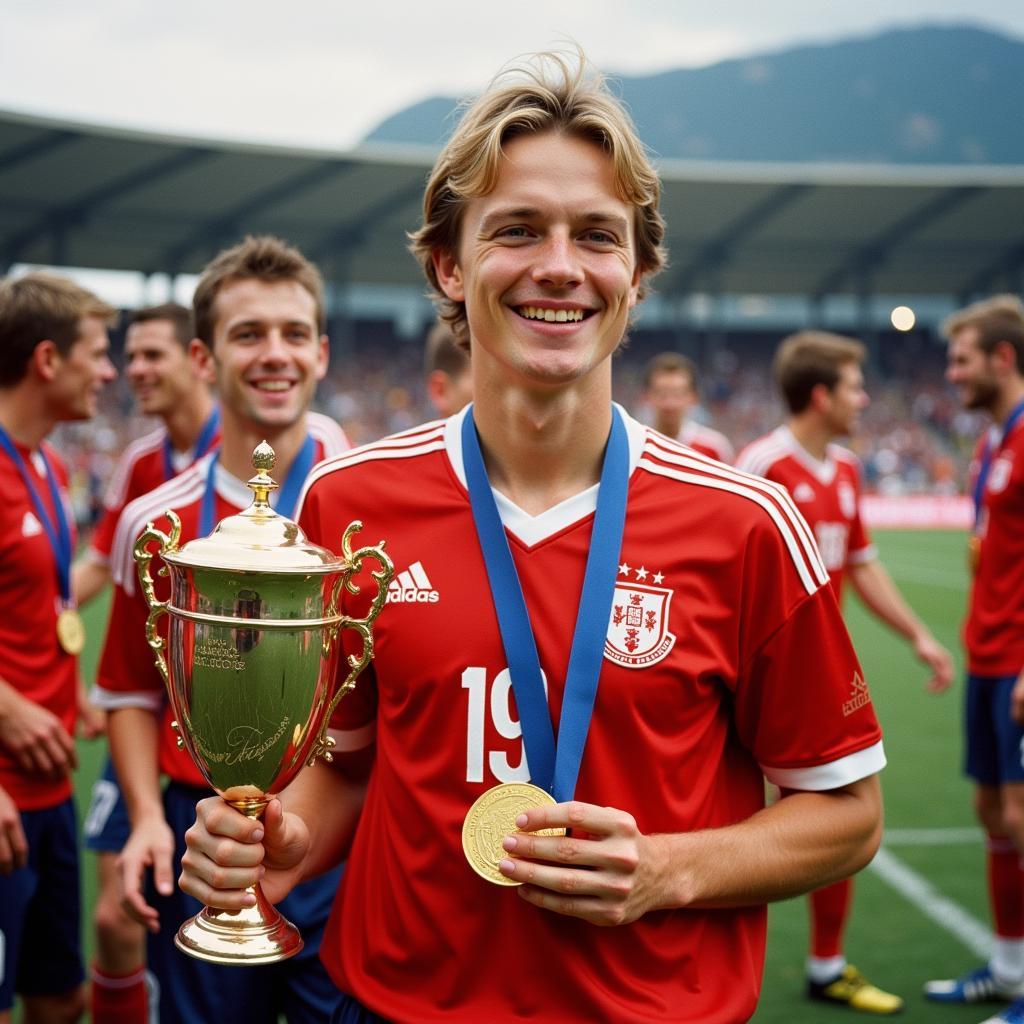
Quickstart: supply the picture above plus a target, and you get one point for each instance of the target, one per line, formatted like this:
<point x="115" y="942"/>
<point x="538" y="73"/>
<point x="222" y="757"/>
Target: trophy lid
<point x="258" y="539"/>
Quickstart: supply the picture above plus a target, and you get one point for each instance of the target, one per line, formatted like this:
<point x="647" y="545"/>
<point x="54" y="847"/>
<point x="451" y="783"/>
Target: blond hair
<point x="547" y="93"/>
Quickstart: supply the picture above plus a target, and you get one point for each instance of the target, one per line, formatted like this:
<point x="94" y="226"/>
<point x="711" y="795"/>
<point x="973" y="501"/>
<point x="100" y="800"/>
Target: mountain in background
<point x="935" y="95"/>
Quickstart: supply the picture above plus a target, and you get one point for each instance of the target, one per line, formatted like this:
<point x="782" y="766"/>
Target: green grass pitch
<point x="890" y="938"/>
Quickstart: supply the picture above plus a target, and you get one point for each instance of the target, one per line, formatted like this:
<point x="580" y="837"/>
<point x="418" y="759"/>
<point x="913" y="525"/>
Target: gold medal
<point x="491" y="818"/>
<point x="71" y="631"/>
<point x="974" y="552"/>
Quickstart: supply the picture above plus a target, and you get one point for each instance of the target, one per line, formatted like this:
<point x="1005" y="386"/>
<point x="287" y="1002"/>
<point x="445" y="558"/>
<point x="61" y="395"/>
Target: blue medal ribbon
<point x="201" y="447"/>
<point x="553" y="767"/>
<point x="987" y="455"/>
<point x="58" y="533"/>
<point x="287" y="496"/>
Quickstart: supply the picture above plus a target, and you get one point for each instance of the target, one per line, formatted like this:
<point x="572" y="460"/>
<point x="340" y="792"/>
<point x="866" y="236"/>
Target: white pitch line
<point x="932" y="836"/>
<point x="917" y="890"/>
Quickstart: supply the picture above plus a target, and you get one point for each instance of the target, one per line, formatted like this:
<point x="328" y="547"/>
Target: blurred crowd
<point x="914" y="438"/>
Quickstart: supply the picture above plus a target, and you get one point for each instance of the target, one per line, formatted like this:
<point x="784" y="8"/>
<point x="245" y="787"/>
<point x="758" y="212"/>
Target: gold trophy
<point x="252" y="652"/>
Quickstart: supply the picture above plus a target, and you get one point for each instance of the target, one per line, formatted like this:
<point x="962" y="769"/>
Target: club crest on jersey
<point x="638" y="633"/>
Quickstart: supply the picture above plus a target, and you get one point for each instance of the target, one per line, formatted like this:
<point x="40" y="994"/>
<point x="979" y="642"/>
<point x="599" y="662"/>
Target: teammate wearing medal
<point x="53" y="363"/>
<point x="259" y="335"/>
<point x="819" y="376"/>
<point x="986" y="364"/>
<point x="165" y="384"/>
<point x="670" y="392"/>
<point x="541" y="230"/>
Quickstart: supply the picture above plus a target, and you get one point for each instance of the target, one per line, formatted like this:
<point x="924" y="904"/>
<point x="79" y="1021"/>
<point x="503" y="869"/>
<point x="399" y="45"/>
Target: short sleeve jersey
<point x="994" y="630"/>
<point x="704" y="439"/>
<point x="827" y="493"/>
<point x="725" y="660"/>
<point x="31" y="659"/>
<point x="127" y="674"/>
<point x="144" y="466"/>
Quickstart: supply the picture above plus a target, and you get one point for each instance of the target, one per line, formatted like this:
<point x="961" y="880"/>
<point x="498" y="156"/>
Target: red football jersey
<point x="726" y="660"/>
<point x="127" y="675"/>
<point x="31" y="659"/>
<point x="704" y="439"/>
<point x="827" y="493"/>
<point x="994" y="630"/>
<point x="141" y="469"/>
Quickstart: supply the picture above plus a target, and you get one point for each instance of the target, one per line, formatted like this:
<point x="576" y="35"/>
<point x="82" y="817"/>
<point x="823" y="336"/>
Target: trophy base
<point x="242" y="938"/>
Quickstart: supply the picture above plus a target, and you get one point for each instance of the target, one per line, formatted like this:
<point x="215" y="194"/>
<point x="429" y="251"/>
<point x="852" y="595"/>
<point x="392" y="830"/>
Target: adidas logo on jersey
<point x="30" y="526"/>
<point x="803" y="492"/>
<point x="412" y="587"/>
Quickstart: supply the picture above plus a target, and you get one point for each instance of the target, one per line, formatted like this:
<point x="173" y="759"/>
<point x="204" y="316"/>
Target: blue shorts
<point x="349" y="1011"/>
<point x="192" y="990"/>
<point x="40" y="908"/>
<point x="995" y="742"/>
<point x="106" y="827"/>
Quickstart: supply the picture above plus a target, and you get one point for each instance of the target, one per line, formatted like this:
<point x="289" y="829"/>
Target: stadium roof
<point x="88" y="196"/>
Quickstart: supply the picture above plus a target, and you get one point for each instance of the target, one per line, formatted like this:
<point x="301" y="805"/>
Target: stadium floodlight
<point x="903" y="318"/>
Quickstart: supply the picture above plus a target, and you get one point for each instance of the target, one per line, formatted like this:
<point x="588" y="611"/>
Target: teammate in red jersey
<point x="53" y="363"/>
<point x="819" y="375"/>
<point x="541" y="229"/>
<point x="258" y="321"/>
<point x="168" y="384"/>
<point x="986" y="364"/>
<point x="670" y="392"/>
<point x="165" y="384"/>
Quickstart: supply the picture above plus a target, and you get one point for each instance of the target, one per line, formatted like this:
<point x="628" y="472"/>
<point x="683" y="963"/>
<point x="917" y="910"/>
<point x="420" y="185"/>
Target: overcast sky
<point x="324" y="72"/>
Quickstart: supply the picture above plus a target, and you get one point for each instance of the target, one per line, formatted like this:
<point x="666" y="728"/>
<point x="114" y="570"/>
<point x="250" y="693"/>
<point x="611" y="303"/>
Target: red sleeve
<point x="323" y="522"/>
<point x="127" y="674"/>
<point x="804" y="706"/>
<point x="102" y="540"/>
<point x="801" y="705"/>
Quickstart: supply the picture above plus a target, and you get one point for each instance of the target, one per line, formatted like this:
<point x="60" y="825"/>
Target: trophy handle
<point x="143" y="556"/>
<point x="356" y="663"/>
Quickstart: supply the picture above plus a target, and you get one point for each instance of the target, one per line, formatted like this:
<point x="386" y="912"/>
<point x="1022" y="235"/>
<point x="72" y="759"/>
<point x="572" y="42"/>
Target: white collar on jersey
<point x="533" y="529"/>
<point x="823" y="469"/>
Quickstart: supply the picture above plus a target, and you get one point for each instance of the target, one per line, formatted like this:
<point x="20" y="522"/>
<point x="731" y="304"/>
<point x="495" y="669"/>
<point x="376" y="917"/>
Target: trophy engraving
<point x="250" y="664"/>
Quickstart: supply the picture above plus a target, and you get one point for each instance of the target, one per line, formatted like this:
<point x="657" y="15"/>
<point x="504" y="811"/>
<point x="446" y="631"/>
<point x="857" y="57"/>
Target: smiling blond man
<point x="679" y="683"/>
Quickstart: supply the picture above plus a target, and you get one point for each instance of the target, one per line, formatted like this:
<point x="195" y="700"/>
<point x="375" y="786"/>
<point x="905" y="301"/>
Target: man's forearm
<point x="880" y="595"/>
<point x="134" y="746"/>
<point x="329" y="803"/>
<point x="800" y="843"/>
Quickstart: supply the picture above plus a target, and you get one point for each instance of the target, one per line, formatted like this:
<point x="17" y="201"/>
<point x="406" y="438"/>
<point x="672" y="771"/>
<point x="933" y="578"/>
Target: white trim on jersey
<point x="670" y="451"/>
<point x="862" y="557"/>
<point x="803" y="560"/>
<point x="695" y="432"/>
<point x="329" y="433"/>
<point x="761" y="454"/>
<point x="530" y="529"/>
<point x="181" y="490"/>
<point x="399" y="446"/>
<point x="114" y="496"/>
<point x="113" y="700"/>
<point x="817" y="778"/>
<point x="347" y="741"/>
